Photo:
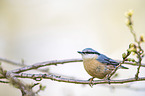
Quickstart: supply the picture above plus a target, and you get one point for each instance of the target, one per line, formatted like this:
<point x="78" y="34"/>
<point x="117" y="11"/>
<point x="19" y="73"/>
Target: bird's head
<point x="89" y="53"/>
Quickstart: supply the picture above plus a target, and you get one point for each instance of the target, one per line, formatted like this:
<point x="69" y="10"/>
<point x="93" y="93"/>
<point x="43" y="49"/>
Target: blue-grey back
<point x="106" y="60"/>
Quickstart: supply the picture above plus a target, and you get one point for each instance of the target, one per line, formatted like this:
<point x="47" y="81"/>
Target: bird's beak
<point x="80" y="52"/>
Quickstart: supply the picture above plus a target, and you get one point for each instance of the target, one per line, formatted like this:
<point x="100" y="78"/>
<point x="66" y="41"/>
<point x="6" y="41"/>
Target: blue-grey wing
<point x="106" y="60"/>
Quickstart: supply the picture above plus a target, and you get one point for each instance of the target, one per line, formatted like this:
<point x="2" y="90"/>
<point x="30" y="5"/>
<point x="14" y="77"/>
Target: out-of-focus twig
<point x="12" y="62"/>
<point x="25" y="89"/>
<point x="136" y="48"/>
<point x="22" y="64"/>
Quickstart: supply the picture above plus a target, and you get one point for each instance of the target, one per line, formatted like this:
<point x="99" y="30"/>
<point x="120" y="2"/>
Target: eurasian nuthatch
<point x="96" y="64"/>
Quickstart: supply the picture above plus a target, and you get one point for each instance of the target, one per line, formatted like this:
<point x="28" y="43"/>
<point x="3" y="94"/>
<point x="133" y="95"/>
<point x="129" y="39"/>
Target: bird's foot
<point x="107" y="79"/>
<point x="91" y="82"/>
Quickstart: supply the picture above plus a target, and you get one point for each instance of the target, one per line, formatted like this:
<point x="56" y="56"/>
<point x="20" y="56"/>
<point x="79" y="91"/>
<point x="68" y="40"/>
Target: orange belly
<point x="97" y="69"/>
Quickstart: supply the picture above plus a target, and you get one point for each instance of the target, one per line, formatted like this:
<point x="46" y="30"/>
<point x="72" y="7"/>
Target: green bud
<point x="129" y="59"/>
<point x="129" y="13"/>
<point x="123" y="55"/>
<point x="134" y="63"/>
<point x="43" y="88"/>
<point x="132" y="45"/>
<point x="142" y="38"/>
<point x="128" y="22"/>
<point x="143" y="55"/>
<point x="132" y="49"/>
<point x="133" y="60"/>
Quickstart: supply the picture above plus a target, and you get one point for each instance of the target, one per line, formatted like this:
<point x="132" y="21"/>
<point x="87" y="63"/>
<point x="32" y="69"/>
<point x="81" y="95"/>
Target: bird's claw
<point x="91" y="82"/>
<point x="107" y="79"/>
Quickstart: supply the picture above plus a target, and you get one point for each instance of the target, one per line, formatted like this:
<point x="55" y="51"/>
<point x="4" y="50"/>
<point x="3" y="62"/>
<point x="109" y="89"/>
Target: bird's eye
<point x="84" y="52"/>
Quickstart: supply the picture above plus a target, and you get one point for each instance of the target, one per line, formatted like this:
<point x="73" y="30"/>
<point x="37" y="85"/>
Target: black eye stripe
<point x="91" y="53"/>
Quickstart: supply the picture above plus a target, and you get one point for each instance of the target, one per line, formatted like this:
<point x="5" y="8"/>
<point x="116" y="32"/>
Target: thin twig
<point x="133" y="32"/>
<point x="12" y="62"/>
<point x="134" y="64"/>
<point x="109" y="75"/>
<point x="139" y="61"/>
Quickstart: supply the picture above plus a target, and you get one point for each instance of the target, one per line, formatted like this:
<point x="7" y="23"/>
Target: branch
<point x="3" y="81"/>
<point x="53" y="62"/>
<point x="39" y="77"/>
<point x="47" y="63"/>
<point x="26" y="67"/>
<point x="25" y="89"/>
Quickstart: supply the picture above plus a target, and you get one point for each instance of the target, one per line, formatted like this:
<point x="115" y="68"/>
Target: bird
<point x="96" y="64"/>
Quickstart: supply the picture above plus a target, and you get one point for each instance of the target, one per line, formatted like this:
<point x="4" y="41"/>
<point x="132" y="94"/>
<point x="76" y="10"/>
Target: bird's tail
<point x="123" y="67"/>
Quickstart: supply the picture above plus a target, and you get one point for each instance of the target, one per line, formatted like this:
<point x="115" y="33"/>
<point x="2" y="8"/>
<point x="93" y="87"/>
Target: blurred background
<point x="43" y="30"/>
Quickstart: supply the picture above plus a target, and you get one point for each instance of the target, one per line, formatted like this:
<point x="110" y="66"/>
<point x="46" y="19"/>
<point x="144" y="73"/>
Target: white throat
<point x="89" y="56"/>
